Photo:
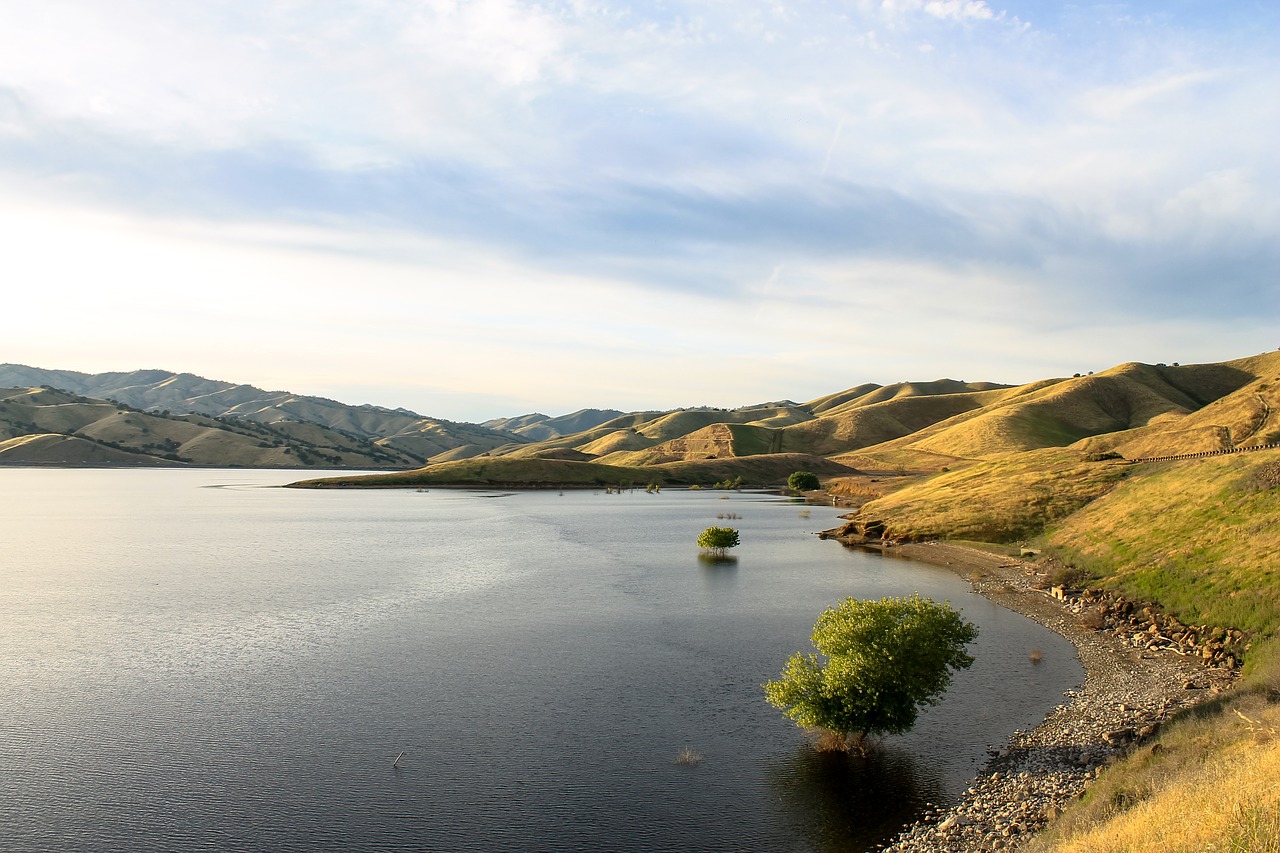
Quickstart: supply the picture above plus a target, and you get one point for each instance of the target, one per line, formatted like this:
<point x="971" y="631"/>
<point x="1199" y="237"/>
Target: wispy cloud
<point x="662" y="158"/>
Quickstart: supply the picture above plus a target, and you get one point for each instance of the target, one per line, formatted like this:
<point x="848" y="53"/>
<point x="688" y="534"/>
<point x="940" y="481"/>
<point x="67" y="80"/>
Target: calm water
<point x="192" y="661"/>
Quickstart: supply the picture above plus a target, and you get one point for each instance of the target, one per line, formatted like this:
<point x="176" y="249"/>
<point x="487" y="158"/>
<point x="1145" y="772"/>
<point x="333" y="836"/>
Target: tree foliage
<point x="803" y="481"/>
<point x="717" y="540"/>
<point x="881" y="662"/>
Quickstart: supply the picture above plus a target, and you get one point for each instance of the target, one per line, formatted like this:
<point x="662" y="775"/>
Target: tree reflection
<point x="842" y="803"/>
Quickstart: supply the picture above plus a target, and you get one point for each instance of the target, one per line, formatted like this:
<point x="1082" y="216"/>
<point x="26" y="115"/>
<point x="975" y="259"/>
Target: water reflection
<point x="842" y="803"/>
<point x="718" y="572"/>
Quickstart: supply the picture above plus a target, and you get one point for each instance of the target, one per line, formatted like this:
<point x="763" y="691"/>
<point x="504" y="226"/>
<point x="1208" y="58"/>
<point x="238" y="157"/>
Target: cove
<point x="197" y="661"/>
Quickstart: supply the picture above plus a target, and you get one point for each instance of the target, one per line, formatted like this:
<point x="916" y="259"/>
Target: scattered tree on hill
<point x="717" y="540"/>
<point x="803" y="481"/>
<point x="882" y="661"/>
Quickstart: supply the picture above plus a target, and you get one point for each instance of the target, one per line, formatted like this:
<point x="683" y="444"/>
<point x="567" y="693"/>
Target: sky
<point x="481" y="209"/>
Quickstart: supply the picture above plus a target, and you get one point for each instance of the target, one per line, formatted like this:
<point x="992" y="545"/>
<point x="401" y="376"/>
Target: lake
<point x="193" y="660"/>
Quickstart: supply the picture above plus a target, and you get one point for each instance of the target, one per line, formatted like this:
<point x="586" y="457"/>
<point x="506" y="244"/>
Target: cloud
<point x="644" y="160"/>
<point x="959" y="10"/>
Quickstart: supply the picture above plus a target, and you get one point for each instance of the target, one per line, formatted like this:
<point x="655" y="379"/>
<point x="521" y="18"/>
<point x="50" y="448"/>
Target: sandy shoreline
<point x="1128" y="692"/>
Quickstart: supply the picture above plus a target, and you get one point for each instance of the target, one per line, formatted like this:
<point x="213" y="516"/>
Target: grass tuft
<point x="688" y="757"/>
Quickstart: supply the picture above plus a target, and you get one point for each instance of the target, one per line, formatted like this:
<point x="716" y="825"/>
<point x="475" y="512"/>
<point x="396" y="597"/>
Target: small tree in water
<point x="717" y="540"/>
<point x="882" y="662"/>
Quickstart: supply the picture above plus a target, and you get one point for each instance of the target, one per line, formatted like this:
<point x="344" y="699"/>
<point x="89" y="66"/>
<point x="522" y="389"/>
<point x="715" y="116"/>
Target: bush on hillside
<point x="803" y="481"/>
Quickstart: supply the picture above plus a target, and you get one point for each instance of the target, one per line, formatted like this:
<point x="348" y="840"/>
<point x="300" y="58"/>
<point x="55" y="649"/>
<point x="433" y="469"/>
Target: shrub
<point x="882" y="662"/>
<point x="803" y="481"/>
<point x="1070" y="577"/>
<point x="718" y="540"/>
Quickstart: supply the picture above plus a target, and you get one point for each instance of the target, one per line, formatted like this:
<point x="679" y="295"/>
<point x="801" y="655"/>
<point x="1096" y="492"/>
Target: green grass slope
<point x="1200" y="536"/>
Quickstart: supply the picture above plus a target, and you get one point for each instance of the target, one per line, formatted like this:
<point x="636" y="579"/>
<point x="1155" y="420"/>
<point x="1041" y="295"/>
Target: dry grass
<point x="857" y="425"/>
<point x="1211" y="782"/>
<point x="715" y="441"/>
<point x="1002" y="500"/>
<point x="1214" y="785"/>
<point x="688" y="757"/>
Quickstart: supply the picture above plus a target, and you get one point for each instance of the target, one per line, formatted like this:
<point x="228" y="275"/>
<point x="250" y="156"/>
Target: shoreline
<point x="1128" y="693"/>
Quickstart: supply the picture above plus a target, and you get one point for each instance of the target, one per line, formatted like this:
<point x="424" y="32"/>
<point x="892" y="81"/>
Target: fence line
<point x="1206" y="453"/>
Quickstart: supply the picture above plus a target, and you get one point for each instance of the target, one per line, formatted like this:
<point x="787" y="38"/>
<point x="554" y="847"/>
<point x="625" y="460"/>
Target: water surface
<point x="192" y="661"/>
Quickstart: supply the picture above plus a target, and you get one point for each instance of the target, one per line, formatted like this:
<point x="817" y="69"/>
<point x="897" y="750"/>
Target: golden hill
<point x="400" y="433"/>
<point x="1137" y="410"/>
<point x="43" y="426"/>
<point x="54" y="449"/>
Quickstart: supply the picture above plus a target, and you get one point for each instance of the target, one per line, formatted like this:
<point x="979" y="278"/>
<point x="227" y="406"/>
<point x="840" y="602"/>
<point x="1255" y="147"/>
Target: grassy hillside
<point x="846" y="428"/>
<point x="710" y="442"/>
<point x="406" y="433"/>
<point x="1001" y="500"/>
<point x="124" y="435"/>
<point x="870" y="394"/>
<point x="51" y="449"/>
<point x="539" y="427"/>
<point x="1199" y="536"/>
<point x="1248" y="416"/>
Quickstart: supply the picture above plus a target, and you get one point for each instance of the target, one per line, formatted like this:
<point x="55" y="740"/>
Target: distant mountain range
<point x="226" y="424"/>
<point x="155" y="417"/>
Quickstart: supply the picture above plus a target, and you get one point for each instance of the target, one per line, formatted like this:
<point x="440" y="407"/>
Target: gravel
<point x="1133" y="683"/>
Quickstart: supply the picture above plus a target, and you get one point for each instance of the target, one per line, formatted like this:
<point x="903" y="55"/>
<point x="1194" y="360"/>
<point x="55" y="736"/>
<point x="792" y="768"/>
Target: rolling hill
<point x="402" y="434"/>
<point x="41" y="426"/>
<point x="539" y="427"/>
<point x="1134" y="410"/>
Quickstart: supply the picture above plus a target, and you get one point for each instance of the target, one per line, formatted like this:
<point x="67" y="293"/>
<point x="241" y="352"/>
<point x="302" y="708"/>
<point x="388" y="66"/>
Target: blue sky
<point x="484" y="208"/>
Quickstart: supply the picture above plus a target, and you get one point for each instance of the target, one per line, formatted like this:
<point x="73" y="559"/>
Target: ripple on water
<point x="237" y="668"/>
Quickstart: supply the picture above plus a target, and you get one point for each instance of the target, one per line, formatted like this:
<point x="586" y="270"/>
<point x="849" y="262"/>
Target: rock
<point x="1118" y="736"/>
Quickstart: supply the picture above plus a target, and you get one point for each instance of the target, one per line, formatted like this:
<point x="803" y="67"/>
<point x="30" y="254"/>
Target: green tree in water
<point x="879" y="663"/>
<point x="717" y="540"/>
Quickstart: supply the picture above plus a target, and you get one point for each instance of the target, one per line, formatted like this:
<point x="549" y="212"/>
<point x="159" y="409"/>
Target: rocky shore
<point x="1140" y="668"/>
